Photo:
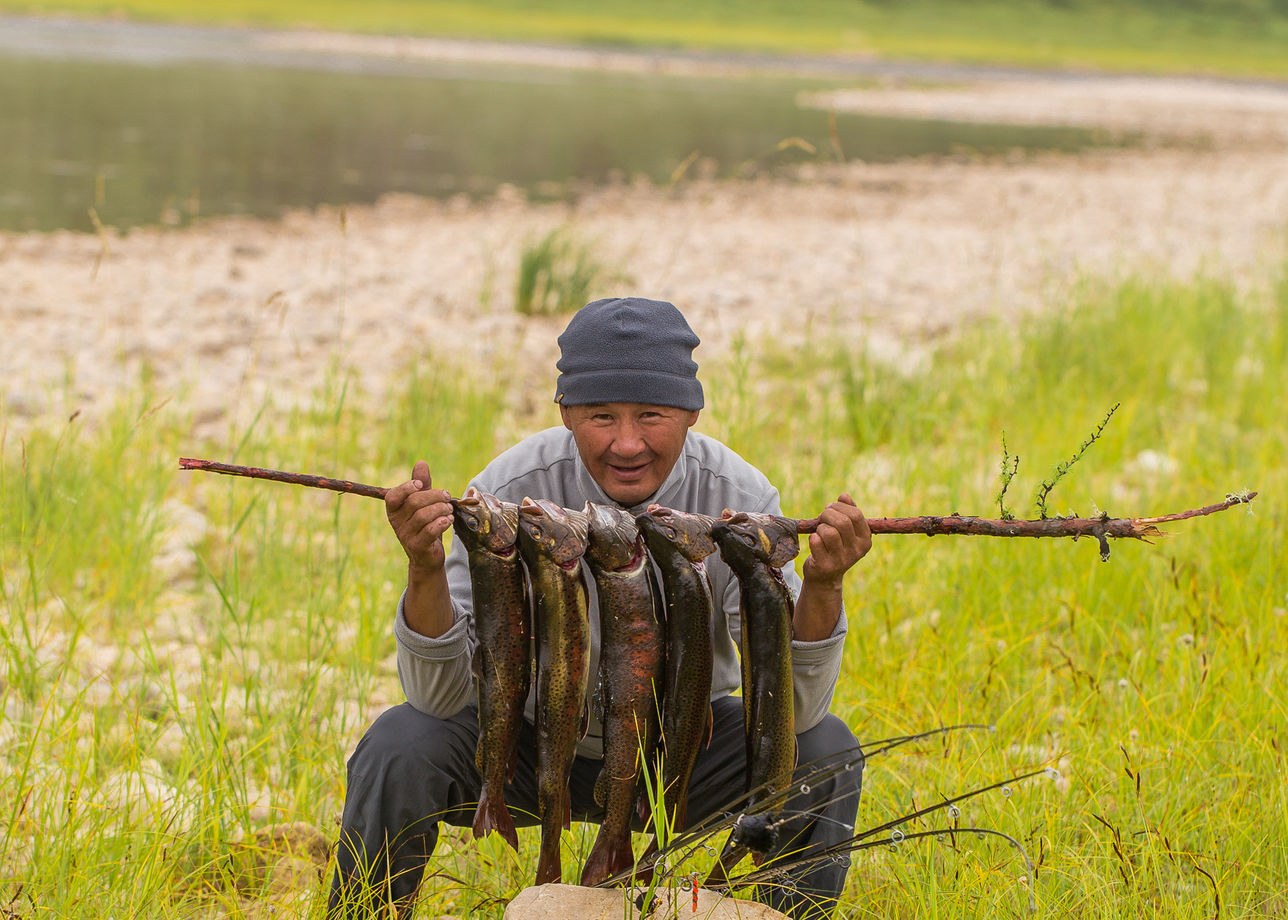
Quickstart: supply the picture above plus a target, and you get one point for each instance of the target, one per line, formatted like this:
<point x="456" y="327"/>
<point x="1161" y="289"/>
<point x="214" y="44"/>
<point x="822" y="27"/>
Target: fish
<point x="552" y="542"/>
<point x="631" y="660"/>
<point x="488" y="528"/>
<point x="678" y="543"/>
<point x="755" y="547"/>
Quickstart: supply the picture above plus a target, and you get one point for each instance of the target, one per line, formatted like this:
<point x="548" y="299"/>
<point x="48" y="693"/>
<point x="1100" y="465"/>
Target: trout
<point x="630" y="673"/>
<point x="679" y="543"/>
<point x="552" y="542"/>
<point x="488" y="527"/>
<point x="756" y="547"/>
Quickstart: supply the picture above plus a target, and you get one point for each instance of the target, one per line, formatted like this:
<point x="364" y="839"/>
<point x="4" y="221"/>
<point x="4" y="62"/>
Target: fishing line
<point x="819" y="770"/>
<point x="843" y="850"/>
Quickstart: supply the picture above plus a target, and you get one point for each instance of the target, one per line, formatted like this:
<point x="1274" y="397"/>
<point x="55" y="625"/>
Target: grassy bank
<point x="185" y="658"/>
<point x="1236" y="37"/>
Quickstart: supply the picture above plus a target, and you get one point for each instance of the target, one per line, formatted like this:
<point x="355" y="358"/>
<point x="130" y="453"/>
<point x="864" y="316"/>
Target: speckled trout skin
<point x="678" y="543"/>
<point x="489" y="528"/>
<point x="552" y="542"/>
<point x="630" y="673"/>
<point x="756" y="547"/>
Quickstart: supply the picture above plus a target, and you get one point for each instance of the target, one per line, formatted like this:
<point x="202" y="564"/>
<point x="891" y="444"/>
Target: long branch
<point x="1100" y="527"/>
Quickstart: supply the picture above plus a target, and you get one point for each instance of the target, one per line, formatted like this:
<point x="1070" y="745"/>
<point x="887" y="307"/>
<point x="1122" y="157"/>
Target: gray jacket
<point x="707" y="478"/>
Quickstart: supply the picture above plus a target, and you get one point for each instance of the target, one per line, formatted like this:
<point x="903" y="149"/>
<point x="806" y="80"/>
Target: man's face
<point x="629" y="448"/>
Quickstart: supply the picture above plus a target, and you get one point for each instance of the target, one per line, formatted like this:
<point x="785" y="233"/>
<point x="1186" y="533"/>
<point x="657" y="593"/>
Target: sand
<point x="890" y="257"/>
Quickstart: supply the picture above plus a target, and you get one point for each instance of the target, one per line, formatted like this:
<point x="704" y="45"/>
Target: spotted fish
<point x="552" y="542"/>
<point x="679" y="543"/>
<point x="488" y="528"/>
<point x="630" y="673"/>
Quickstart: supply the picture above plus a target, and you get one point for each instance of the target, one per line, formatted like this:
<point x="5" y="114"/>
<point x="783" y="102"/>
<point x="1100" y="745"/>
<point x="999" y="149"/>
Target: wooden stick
<point x="1101" y="528"/>
<point x="298" y="479"/>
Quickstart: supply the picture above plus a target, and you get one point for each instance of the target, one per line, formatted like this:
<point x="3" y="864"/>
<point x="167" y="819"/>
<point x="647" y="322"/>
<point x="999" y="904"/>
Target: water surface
<point x="155" y="136"/>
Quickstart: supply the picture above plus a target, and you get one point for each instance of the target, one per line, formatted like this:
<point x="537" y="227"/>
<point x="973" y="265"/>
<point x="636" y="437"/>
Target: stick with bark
<point x="1102" y="528"/>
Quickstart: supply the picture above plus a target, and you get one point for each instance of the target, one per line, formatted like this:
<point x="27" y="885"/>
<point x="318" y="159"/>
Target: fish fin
<point x="711" y="725"/>
<point x="512" y="765"/>
<point x="476" y="661"/>
<point x="584" y="726"/>
<point x="601" y="787"/>
<point x="608" y="857"/>
<point x="567" y="811"/>
<point x="492" y="815"/>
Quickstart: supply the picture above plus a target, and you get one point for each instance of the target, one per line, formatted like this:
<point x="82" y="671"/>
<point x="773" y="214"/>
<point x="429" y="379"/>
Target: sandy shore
<point x="888" y="256"/>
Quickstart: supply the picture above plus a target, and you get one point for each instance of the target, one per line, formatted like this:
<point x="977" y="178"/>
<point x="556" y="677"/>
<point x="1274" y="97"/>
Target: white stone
<point x="572" y="902"/>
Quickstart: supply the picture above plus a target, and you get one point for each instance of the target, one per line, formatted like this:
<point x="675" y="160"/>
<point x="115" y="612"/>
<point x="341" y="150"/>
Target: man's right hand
<point x="420" y="515"/>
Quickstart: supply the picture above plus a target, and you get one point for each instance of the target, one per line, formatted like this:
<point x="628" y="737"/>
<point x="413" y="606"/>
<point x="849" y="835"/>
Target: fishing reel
<point x="758" y="833"/>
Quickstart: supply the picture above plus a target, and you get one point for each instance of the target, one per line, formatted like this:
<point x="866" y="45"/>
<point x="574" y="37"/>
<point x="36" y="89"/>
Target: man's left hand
<point x="842" y="539"/>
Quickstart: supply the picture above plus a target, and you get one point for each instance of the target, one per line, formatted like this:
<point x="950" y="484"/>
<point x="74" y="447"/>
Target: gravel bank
<point x="887" y="256"/>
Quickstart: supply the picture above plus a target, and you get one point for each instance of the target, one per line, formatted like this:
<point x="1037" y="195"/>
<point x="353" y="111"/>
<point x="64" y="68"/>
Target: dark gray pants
<point x="411" y="771"/>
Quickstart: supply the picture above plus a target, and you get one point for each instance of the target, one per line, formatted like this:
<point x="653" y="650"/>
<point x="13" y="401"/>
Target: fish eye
<point x="671" y="533"/>
<point x="536" y="532"/>
<point x="472" y="523"/>
<point x="748" y="539"/>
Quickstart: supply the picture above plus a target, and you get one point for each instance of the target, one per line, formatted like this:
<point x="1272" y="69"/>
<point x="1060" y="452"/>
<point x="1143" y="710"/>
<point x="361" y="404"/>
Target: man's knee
<point x="412" y="760"/>
<point x="831" y="751"/>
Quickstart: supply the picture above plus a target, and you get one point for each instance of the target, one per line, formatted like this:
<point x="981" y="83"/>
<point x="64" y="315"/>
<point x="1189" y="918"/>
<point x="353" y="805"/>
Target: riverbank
<point x="228" y="312"/>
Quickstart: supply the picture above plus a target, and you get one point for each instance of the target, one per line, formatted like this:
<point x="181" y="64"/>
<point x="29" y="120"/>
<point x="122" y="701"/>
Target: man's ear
<point x="693" y="417"/>
<point x="567" y="419"/>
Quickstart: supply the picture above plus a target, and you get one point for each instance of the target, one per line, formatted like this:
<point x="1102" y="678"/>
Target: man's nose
<point x="628" y="440"/>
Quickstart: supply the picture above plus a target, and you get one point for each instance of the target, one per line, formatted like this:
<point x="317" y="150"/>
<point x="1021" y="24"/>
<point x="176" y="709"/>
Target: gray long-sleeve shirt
<point x="707" y="478"/>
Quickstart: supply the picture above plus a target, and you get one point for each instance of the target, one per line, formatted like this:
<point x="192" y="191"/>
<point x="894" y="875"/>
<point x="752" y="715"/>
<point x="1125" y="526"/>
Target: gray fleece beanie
<point x="628" y="349"/>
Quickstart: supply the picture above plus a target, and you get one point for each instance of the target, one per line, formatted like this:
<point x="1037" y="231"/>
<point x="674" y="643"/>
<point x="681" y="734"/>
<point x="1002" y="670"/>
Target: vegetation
<point x="1244" y="37"/>
<point x="556" y="275"/>
<point x="186" y="658"/>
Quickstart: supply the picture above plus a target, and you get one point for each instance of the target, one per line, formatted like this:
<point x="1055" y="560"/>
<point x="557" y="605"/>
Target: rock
<point x="572" y="902"/>
<point x="143" y="797"/>
<point x="281" y="858"/>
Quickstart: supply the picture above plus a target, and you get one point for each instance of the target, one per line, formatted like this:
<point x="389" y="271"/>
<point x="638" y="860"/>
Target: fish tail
<point x="556" y="814"/>
<point x="549" y="866"/>
<point x="610" y="855"/>
<point x="492" y="815"/>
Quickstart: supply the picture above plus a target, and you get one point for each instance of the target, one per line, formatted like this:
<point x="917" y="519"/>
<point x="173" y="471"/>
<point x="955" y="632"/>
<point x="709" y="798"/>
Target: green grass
<point x="186" y="658"/>
<point x="1237" y="37"/>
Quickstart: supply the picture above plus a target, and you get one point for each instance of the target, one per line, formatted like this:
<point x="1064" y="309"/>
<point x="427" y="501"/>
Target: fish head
<point x="483" y="521"/>
<point x="688" y="533"/>
<point x="615" y="540"/>
<point x="554" y="532"/>
<point x="768" y="538"/>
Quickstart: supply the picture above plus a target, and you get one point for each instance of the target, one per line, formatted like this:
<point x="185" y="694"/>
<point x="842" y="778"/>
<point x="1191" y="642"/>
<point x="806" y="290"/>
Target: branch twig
<point x="1101" y="527"/>
<point x="298" y="479"/>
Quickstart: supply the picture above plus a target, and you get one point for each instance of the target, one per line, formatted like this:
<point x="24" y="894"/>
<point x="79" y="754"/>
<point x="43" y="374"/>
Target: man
<point x="628" y="394"/>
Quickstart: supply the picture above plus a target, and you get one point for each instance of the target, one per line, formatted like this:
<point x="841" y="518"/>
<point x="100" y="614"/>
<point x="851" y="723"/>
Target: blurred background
<point x="145" y="118"/>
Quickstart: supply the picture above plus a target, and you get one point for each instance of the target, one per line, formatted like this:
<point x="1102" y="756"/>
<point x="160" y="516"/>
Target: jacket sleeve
<point x="436" y="673"/>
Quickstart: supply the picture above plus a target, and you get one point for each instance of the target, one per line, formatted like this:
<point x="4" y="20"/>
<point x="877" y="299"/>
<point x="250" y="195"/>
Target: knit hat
<point x="628" y="349"/>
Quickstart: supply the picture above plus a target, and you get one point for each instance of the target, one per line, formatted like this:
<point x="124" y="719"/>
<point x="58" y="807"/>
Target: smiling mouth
<point x="628" y="471"/>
